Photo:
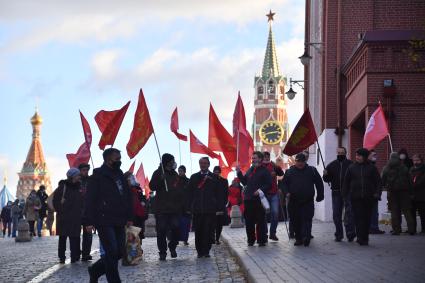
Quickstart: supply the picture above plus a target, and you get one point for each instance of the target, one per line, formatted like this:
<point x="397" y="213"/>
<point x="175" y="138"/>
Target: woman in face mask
<point x="404" y="157"/>
<point x="417" y="177"/>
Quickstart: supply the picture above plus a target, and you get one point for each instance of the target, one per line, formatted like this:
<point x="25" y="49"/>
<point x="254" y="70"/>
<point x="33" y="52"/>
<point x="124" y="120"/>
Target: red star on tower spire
<point x="270" y="16"/>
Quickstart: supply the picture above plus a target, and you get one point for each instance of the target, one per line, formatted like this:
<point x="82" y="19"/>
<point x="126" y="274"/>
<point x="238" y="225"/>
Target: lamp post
<point x="291" y="93"/>
<point x="305" y="58"/>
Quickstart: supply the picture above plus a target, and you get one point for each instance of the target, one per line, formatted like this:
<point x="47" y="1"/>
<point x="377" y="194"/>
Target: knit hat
<point x="300" y="157"/>
<point x="363" y="152"/>
<point x="84" y="165"/>
<point x="72" y="172"/>
<point x="166" y="157"/>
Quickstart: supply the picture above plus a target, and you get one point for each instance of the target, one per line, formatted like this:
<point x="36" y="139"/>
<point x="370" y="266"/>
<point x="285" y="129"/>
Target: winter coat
<point x="417" y="178"/>
<point x="42" y="196"/>
<point x="300" y="183"/>
<point x="362" y="181"/>
<point x="83" y="191"/>
<point x="235" y="197"/>
<point x="139" y="204"/>
<point x="108" y="200"/>
<point x="335" y="174"/>
<point x="223" y="193"/>
<point x="395" y="176"/>
<point x="171" y="201"/>
<point x="254" y="179"/>
<point x="31" y="208"/>
<point x="186" y="195"/>
<point x="16" y="211"/>
<point x="204" y="193"/>
<point x="68" y="213"/>
<point x="6" y="214"/>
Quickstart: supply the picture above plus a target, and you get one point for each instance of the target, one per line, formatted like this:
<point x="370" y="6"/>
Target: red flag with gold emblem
<point x="82" y="156"/>
<point x="219" y="139"/>
<point x="142" y="128"/>
<point x="109" y="123"/>
<point x="174" y="126"/>
<point x="303" y="135"/>
<point x="196" y="146"/>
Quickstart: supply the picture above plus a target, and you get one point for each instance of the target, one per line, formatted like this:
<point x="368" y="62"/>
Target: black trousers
<point x="301" y="214"/>
<point x="31" y="223"/>
<point x="167" y="224"/>
<point x="74" y="244"/>
<point x="420" y="207"/>
<point x="86" y="243"/>
<point x="219" y="223"/>
<point x="362" y="210"/>
<point x="204" y="229"/>
<point x="255" y="215"/>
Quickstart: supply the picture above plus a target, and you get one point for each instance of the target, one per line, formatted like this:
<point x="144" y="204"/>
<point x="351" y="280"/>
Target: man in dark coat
<point x="223" y="194"/>
<point x="42" y="213"/>
<point x="257" y="180"/>
<point x="87" y="235"/>
<point x="362" y="184"/>
<point x="68" y="204"/>
<point x="185" y="218"/>
<point x="203" y="188"/>
<point x="109" y="209"/>
<point x="299" y="183"/>
<point x="374" y="219"/>
<point x="334" y="173"/>
<point x="169" y="204"/>
<point x="6" y="218"/>
<point x="417" y="179"/>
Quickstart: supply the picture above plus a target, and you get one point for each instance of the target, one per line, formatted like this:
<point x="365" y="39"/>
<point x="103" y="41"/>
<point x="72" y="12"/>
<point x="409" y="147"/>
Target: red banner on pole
<point x="174" y="126"/>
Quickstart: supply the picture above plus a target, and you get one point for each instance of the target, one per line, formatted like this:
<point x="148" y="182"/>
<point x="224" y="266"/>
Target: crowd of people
<point x="110" y="200"/>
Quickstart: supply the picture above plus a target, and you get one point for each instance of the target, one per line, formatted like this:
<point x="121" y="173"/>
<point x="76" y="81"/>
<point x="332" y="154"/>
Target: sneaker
<point x="273" y="237"/>
<point x="262" y="244"/>
<point x="173" y="253"/>
<point x="307" y="242"/>
<point x="298" y="243"/>
<point x="351" y="239"/>
<point x="162" y="257"/>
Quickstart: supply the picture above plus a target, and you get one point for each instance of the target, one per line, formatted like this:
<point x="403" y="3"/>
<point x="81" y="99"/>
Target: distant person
<point x="50" y="219"/>
<point x="42" y="213"/>
<point x="6" y="219"/>
<point x="299" y="184"/>
<point x="203" y="189"/>
<point x="235" y="196"/>
<point x="395" y="177"/>
<point x="221" y="214"/>
<point x="362" y="184"/>
<point x="417" y="179"/>
<point x="16" y="212"/>
<point x="404" y="157"/>
<point x="68" y="204"/>
<point x="185" y="218"/>
<point x="109" y="210"/>
<point x="169" y="204"/>
<point x="31" y="208"/>
<point x="334" y="174"/>
<point x="87" y="235"/>
<point x="374" y="220"/>
<point x="257" y="179"/>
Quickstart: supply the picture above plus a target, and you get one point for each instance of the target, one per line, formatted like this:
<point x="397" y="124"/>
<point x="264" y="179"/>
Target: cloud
<point x="103" y="63"/>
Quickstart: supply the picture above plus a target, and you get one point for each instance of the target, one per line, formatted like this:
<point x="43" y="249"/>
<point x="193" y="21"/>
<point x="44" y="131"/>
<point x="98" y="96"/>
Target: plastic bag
<point x="133" y="253"/>
<point x="264" y="201"/>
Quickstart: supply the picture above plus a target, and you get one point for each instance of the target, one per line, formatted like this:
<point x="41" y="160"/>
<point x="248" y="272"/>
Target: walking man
<point x="334" y="174"/>
<point x="42" y="213"/>
<point x="87" y="235"/>
<point x="223" y="194"/>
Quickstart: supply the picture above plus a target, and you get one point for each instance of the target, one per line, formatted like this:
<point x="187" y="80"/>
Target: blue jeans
<point x="374" y="218"/>
<point x="338" y="206"/>
<point x="274" y="212"/>
<point x="112" y="239"/>
<point x="39" y="225"/>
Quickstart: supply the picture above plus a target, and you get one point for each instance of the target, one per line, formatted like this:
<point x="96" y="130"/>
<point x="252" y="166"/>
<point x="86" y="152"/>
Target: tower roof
<point x="35" y="161"/>
<point x="5" y="196"/>
<point x="270" y="65"/>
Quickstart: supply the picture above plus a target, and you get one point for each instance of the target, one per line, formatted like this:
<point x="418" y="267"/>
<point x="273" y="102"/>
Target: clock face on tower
<point x="271" y="132"/>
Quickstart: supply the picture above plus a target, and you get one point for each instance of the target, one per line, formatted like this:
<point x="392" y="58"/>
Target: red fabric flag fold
<point x="131" y="169"/>
<point x="376" y="130"/>
<point x="142" y="128"/>
<point x="146" y="188"/>
<point x="174" y="126"/>
<point x="86" y="129"/>
<point x="140" y="175"/>
<point x="82" y="156"/>
<point x="196" y="146"/>
<point x="109" y="123"/>
<point x="303" y="135"/>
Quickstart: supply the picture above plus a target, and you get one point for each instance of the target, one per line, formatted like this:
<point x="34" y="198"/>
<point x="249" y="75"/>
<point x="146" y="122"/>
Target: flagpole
<point x="162" y="165"/>
<point x="180" y="154"/>
<point x="391" y="143"/>
<point x="320" y="153"/>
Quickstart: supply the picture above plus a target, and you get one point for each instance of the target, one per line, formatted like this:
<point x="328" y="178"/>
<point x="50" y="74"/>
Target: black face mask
<point x="116" y="165"/>
<point x="341" y="157"/>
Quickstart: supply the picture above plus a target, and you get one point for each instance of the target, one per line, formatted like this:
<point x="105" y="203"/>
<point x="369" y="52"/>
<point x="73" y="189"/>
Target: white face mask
<point x="402" y="156"/>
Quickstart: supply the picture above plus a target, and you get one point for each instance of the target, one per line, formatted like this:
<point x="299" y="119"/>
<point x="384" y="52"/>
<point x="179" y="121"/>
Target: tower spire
<point x="270" y="65"/>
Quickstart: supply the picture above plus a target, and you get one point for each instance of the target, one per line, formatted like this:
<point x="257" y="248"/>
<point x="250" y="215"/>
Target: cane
<point x="287" y="215"/>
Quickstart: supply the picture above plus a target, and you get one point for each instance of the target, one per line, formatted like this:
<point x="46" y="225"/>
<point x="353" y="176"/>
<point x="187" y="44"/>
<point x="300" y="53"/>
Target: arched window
<point x="271" y="87"/>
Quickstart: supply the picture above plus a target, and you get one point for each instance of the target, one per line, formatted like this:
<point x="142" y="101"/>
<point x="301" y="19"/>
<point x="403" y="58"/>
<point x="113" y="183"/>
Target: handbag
<point x="264" y="202"/>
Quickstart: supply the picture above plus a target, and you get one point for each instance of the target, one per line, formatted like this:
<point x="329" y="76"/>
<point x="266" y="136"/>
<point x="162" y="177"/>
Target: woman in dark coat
<point x="68" y="203"/>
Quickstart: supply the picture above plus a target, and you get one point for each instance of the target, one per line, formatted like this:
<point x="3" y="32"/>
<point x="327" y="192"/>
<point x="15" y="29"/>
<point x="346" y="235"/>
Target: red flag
<point x="140" y="175"/>
<point x="109" y="123"/>
<point x="303" y="135"/>
<point x="142" y="128"/>
<point x="174" y="126"/>
<point x="82" y="156"/>
<point x="219" y="139"/>
<point x="196" y="146"/>
<point x="132" y="167"/>
<point x="376" y="130"/>
<point x="86" y="129"/>
<point x="244" y="141"/>
<point x="146" y="188"/>
<point x="225" y="170"/>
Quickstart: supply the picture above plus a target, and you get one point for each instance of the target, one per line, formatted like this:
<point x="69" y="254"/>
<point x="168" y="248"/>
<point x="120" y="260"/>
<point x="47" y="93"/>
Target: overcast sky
<point x="91" y="55"/>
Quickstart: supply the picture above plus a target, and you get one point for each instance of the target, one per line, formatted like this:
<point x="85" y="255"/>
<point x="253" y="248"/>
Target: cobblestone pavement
<point x="387" y="258"/>
<point x="221" y="267"/>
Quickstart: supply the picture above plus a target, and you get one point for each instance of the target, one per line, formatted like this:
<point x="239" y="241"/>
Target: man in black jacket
<point x="203" y="188"/>
<point x="109" y="209"/>
<point x="257" y="180"/>
<point x="223" y="194"/>
<point x="87" y="235"/>
<point x="363" y="184"/>
<point x="42" y="213"/>
<point x="335" y="173"/>
<point x="298" y="183"/>
<point x="169" y="204"/>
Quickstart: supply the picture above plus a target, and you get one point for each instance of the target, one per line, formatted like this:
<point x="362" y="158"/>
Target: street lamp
<point x="291" y="93"/>
<point x="305" y="58"/>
